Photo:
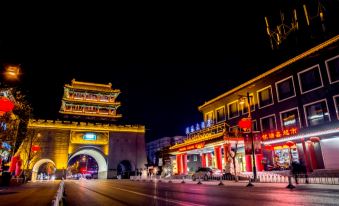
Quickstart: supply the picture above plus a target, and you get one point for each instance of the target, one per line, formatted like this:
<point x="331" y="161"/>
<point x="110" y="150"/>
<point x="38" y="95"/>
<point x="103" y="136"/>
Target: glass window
<point x="233" y="110"/>
<point x="268" y="124"/>
<point x="317" y="113"/>
<point x="254" y="125"/>
<point x="265" y="97"/>
<point x="336" y="102"/>
<point x="310" y="79"/>
<point x="285" y="89"/>
<point x="245" y="105"/>
<point x="195" y="158"/>
<point x="290" y="119"/>
<point x="209" y="116"/>
<point x="333" y="69"/>
<point x="220" y="114"/>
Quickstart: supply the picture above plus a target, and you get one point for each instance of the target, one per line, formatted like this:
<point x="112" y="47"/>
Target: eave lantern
<point x="269" y="147"/>
<point x="6" y="105"/>
<point x="35" y="148"/>
<point x="315" y="139"/>
<point x="245" y="123"/>
<point x="290" y="143"/>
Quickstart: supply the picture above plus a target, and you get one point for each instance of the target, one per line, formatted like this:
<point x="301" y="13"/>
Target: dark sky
<point x="166" y="59"/>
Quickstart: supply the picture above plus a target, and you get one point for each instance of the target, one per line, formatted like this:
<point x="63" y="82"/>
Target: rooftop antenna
<point x="283" y="30"/>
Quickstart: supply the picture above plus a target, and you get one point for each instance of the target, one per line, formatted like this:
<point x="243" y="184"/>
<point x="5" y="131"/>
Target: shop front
<point x="213" y="147"/>
<point x="315" y="149"/>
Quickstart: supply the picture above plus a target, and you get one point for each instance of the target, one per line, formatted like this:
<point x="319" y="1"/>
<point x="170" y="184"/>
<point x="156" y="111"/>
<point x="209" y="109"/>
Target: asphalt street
<point x="36" y="194"/>
<point x="126" y="192"/>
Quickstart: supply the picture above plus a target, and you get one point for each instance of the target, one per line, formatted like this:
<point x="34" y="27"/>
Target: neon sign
<point x="279" y="134"/>
<point x="90" y="136"/>
<point x="193" y="146"/>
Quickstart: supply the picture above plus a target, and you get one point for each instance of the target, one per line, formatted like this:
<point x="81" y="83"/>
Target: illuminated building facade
<point x="294" y="107"/>
<point x="117" y="149"/>
<point x="83" y="100"/>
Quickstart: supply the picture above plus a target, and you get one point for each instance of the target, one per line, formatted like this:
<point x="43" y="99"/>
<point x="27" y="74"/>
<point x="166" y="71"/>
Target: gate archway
<point x="99" y="158"/>
<point x="36" y="167"/>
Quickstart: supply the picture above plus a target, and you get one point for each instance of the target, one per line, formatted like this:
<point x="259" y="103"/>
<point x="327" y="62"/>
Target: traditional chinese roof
<point x="77" y="85"/>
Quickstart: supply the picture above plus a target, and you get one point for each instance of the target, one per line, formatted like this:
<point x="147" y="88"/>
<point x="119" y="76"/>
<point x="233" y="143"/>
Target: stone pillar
<point x="311" y="150"/>
<point x="184" y="163"/>
<point x="203" y="160"/>
<point x="258" y="162"/>
<point x="209" y="160"/>
<point x="179" y="163"/>
<point x="306" y="156"/>
<point x="218" y="157"/>
<point x="248" y="160"/>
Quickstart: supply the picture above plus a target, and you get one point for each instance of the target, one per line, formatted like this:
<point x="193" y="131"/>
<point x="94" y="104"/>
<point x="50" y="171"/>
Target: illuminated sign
<point x="90" y="136"/>
<point x="279" y="134"/>
<point x="193" y="146"/>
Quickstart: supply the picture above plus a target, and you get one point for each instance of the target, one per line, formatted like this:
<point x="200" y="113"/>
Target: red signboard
<point x="248" y="143"/>
<point x="279" y="134"/>
<point x="193" y="146"/>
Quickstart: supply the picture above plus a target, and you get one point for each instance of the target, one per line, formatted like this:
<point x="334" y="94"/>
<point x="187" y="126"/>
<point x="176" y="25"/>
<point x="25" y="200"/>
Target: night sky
<point x="166" y="59"/>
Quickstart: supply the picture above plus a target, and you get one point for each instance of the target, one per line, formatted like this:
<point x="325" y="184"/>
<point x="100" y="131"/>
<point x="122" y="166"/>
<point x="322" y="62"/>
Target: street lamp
<point x="242" y="101"/>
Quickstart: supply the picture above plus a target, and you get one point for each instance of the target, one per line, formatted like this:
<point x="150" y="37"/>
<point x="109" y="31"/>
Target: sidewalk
<point x="242" y="183"/>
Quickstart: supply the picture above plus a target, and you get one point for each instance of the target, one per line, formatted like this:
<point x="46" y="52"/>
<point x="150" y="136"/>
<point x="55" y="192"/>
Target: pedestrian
<point x="295" y="171"/>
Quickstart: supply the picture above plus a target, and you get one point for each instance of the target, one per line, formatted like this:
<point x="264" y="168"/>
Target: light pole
<point x="251" y="133"/>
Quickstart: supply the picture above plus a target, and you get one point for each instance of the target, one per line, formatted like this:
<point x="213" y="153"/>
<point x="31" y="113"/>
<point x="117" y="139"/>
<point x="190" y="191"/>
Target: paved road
<point x="36" y="194"/>
<point x="126" y="192"/>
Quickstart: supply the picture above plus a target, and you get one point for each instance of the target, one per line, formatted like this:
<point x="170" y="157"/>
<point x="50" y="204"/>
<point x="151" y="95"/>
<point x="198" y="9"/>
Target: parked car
<point x="205" y="173"/>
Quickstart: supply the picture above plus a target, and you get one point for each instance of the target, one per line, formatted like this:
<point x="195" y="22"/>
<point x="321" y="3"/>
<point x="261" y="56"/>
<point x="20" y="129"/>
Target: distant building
<point x="156" y="145"/>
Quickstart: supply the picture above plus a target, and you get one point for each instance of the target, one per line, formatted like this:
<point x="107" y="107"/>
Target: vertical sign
<point x="257" y="143"/>
<point x="248" y="143"/>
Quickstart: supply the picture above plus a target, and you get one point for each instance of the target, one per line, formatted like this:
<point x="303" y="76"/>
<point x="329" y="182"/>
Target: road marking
<point x="159" y="198"/>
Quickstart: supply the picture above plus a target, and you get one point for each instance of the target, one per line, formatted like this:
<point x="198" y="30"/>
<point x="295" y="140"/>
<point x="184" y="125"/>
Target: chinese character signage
<point x="248" y="143"/>
<point x="257" y="143"/>
<point x="193" y="146"/>
<point x="279" y="134"/>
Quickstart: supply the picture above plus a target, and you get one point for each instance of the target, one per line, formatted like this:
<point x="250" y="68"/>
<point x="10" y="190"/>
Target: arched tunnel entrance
<point x="88" y="162"/>
<point x="43" y="169"/>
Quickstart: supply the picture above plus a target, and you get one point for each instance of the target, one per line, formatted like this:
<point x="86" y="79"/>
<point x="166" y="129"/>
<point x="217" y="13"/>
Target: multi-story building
<point x="294" y="112"/>
<point x="156" y="145"/>
<point x="84" y="100"/>
<point x="117" y="149"/>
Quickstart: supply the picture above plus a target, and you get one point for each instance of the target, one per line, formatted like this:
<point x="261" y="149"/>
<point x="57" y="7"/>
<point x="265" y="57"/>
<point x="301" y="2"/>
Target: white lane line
<point x="159" y="198"/>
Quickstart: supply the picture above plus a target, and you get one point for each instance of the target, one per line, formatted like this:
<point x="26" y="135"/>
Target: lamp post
<point x="248" y="97"/>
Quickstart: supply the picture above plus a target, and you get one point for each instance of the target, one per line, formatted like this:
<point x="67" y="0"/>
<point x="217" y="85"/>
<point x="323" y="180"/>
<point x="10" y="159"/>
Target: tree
<point x="33" y="137"/>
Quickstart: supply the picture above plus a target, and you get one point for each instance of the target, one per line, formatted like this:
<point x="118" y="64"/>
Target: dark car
<point x="206" y="173"/>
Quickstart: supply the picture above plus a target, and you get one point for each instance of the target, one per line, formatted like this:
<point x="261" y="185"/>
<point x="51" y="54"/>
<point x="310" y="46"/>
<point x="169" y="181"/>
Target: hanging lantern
<point x="315" y="139"/>
<point x="35" y="148"/>
<point x="245" y="123"/>
<point x="6" y="105"/>
<point x="268" y="147"/>
<point x="290" y="143"/>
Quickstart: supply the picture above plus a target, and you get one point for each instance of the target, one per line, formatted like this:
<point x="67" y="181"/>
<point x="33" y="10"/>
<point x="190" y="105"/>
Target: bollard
<point x="290" y="185"/>
<point x="199" y="182"/>
<point x="183" y="180"/>
<point x="249" y="182"/>
<point x="220" y="183"/>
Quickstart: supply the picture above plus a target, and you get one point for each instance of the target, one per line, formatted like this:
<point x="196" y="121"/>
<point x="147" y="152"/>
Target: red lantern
<point x="315" y="139"/>
<point x="268" y="147"/>
<point x="290" y="143"/>
<point x="6" y="105"/>
<point x="35" y="148"/>
<point x="245" y="123"/>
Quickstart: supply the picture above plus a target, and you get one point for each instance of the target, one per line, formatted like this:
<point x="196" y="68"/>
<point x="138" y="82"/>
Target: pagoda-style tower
<point x="84" y="100"/>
